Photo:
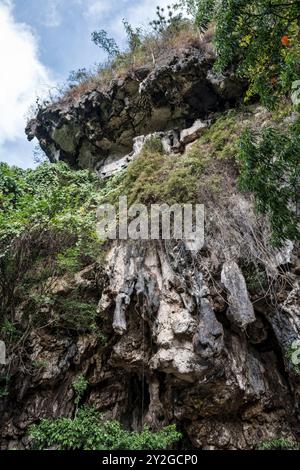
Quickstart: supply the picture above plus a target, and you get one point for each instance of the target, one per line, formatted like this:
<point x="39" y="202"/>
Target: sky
<point x="41" y="41"/>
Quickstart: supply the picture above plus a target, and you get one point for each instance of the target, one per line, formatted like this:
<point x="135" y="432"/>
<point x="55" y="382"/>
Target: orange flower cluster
<point x="285" y="41"/>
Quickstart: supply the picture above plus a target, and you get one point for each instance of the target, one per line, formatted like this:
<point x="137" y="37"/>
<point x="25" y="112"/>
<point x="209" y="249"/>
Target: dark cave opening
<point x="138" y="402"/>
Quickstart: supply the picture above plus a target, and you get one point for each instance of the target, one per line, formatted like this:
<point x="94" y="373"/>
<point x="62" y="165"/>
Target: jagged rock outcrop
<point x="2" y="353"/>
<point x="200" y="339"/>
<point x="170" y="141"/>
<point x="241" y="311"/>
<point x="98" y="129"/>
<point x="174" y="353"/>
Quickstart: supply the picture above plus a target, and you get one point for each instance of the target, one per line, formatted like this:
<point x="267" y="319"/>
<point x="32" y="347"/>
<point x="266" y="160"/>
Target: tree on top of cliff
<point x="260" y="37"/>
<point x="166" y="22"/>
<point x="260" y="40"/>
<point x="109" y="45"/>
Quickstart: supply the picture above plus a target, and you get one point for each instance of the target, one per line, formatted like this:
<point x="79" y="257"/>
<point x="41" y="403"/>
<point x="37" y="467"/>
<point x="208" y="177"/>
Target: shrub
<point x="168" y="32"/>
<point x="89" y="431"/>
<point x="279" y="444"/>
<point x="78" y="76"/>
<point x="270" y="169"/>
<point x="154" y="144"/>
<point x="47" y="228"/>
<point x="134" y="38"/>
<point x="10" y="332"/>
<point x="261" y="39"/>
<point x="168" y="19"/>
<point x="69" y="261"/>
<point x="80" y="385"/>
<point x="109" y="45"/>
<point x="293" y="351"/>
<point x="75" y="313"/>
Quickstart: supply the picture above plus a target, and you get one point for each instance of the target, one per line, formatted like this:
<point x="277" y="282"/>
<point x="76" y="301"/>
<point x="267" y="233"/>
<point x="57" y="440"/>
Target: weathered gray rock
<point x="172" y="141"/>
<point x="209" y="339"/>
<point x="168" y="348"/>
<point x="240" y="310"/>
<point x="192" y="133"/>
<point x="98" y="128"/>
<point x="175" y="339"/>
<point x="119" y="323"/>
<point x="284" y="255"/>
<point x="113" y="164"/>
<point x="2" y="353"/>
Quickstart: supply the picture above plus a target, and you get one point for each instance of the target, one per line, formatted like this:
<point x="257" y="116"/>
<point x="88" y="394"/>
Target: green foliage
<point x="154" y="144"/>
<point x="170" y="21"/>
<point x="89" y="431"/>
<point x="134" y="36"/>
<point x="292" y="352"/>
<point x="167" y="19"/>
<point x="109" y="45"/>
<point x="3" y="392"/>
<point x="256" y="278"/>
<point x="69" y="260"/>
<point x="80" y="385"/>
<point x="75" y="313"/>
<point x="197" y="175"/>
<point x="47" y="228"/>
<point x="78" y="76"/>
<point x="261" y="38"/>
<point x="144" y="45"/>
<point x="261" y="41"/>
<point x="40" y="363"/>
<point x="50" y="196"/>
<point x="10" y="185"/>
<point x="221" y="137"/>
<point x="10" y="332"/>
<point x="270" y="169"/>
<point x="279" y="444"/>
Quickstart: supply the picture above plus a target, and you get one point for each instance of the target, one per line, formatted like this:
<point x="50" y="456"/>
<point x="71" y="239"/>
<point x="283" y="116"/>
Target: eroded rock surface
<point x="172" y="354"/>
<point x="241" y="311"/>
<point x="97" y="130"/>
<point x="182" y="336"/>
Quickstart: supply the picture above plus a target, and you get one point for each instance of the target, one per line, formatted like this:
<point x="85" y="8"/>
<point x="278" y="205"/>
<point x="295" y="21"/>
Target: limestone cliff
<point x="197" y="339"/>
<point x="99" y="127"/>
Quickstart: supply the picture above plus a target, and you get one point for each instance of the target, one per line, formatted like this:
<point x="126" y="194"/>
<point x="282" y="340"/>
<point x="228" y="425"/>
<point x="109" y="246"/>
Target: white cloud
<point x="22" y="76"/>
